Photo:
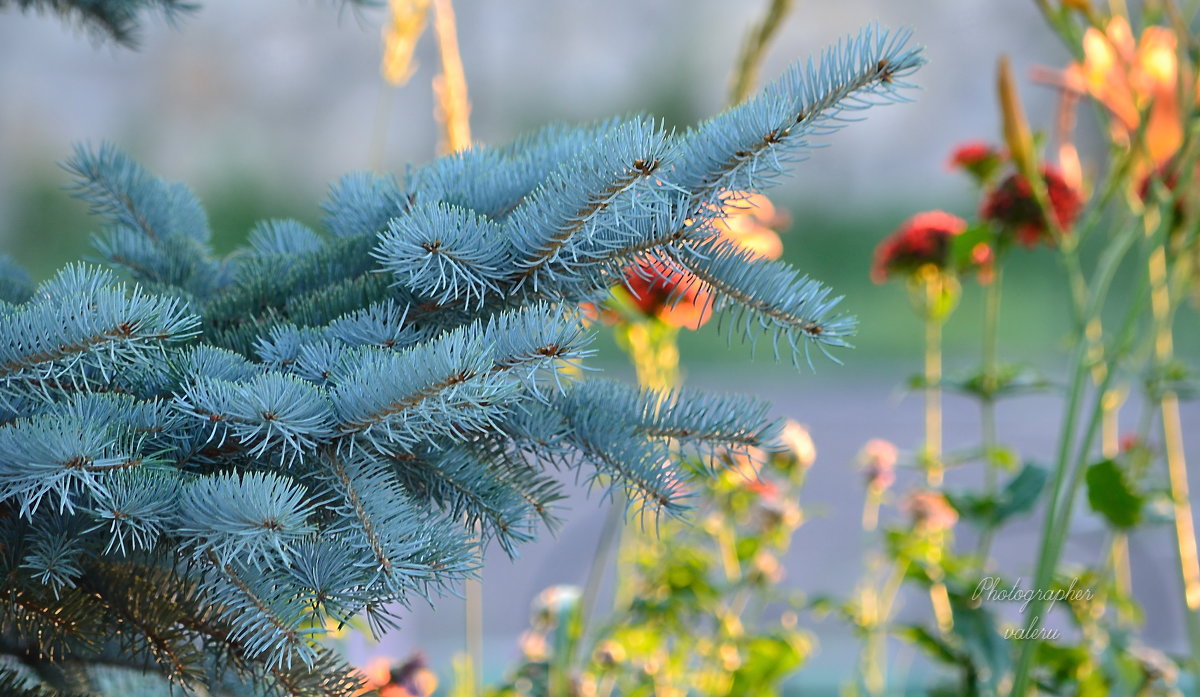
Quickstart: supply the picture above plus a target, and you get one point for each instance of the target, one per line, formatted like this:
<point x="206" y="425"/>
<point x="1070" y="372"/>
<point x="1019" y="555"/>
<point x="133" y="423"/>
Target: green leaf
<point x="980" y="510"/>
<point x="1112" y="495"/>
<point x="933" y="647"/>
<point x="916" y="381"/>
<point x="983" y="644"/>
<point x="1021" y="492"/>
<point x="1007" y="379"/>
<point x="769" y="659"/>
<point x="1018" y="496"/>
<point x="1004" y="458"/>
<point x="1174" y="377"/>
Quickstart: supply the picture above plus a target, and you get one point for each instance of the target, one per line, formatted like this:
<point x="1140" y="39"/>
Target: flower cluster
<point x="1010" y="205"/>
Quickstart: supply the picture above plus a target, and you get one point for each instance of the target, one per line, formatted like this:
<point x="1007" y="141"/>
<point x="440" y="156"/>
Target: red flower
<point x="922" y="239"/>
<point x="977" y="158"/>
<point x="1012" y="205"/>
<point x="676" y="297"/>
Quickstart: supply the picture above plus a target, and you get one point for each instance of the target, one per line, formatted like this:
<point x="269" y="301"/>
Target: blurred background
<point x="259" y="106"/>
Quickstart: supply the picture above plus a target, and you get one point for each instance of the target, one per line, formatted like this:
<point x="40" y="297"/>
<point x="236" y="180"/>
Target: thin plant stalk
<point x="754" y="47"/>
<point x="404" y="28"/>
<point x="930" y="295"/>
<point x="1085" y="312"/>
<point x="877" y="608"/>
<point x="936" y="286"/>
<point x="609" y="536"/>
<point x="474" y="622"/>
<point x="652" y="347"/>
<point x="1168" y="402"/>
<point x="870" y="516"/>
<point x="450" y="88"/>
<point x="1059" y="525"/>
<point x="1110" y="447"/>
<point x="932" y="452"/>
<point x="987" y="403"/>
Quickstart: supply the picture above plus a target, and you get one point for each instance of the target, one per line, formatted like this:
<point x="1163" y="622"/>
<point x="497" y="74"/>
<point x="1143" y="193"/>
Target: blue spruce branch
<point x="221" y="455"/>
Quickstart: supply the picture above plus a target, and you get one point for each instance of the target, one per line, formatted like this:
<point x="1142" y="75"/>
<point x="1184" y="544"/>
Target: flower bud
<point x="878" y="460"/>
<point x="930" y="511"/>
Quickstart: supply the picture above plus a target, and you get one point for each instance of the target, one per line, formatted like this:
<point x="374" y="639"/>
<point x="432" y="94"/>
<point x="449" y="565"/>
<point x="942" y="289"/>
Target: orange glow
<point x="412" y="679"/>
<point x="400" y="39"/>
<point x="679" y="298"/>
<point x="378" y="672"/>
<point x="749" y="222"/>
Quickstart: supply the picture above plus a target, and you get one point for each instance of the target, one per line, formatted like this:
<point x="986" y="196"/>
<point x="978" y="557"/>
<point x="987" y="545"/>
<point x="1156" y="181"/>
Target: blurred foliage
<point x="700" y="608"/>
<point x="47" y="228"/>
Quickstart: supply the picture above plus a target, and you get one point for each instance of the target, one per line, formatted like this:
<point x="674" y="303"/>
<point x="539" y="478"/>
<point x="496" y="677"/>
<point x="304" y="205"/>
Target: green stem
<point x="614" y="521"/>
<point x="1044" y="565"/>
<point x="875" y="670"/>
<point x="1058" y="508"/>
<point x="987" y="404"/>
<point x="933" y="382"/>
<point x="474" y="623"/>
<point x="753" y="49"/>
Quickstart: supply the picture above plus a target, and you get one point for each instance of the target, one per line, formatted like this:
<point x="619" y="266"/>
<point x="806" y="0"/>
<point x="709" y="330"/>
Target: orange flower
<point x="677" y="297"/>
<point x="377" y="673"/>
<point x="411" y="679"/>
<point x="1129" y="76"/>
<point x="798" y="441"/>
<point x="749" y="220"/>
<point x="922" y="239"/>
